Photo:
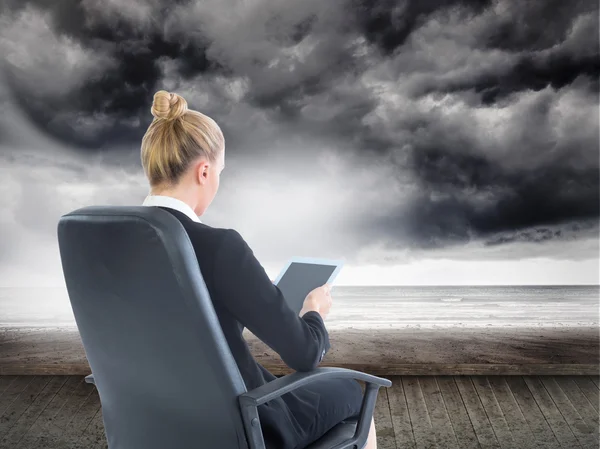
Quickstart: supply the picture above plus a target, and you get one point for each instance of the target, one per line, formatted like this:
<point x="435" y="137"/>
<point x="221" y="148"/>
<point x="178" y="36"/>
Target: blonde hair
<point x="176" y="137"/>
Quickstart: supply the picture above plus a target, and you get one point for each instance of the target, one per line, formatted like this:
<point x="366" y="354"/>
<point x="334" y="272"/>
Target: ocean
<point x="378" y="307"/>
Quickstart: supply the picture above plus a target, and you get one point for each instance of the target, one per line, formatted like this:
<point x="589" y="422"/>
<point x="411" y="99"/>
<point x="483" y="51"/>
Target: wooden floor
<point x="510" y="412"/>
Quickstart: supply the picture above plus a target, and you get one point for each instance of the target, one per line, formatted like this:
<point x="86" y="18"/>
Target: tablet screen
<point x="300" y="279"/>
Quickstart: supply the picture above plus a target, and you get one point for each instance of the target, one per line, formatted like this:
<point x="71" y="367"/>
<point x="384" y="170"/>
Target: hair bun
<point x="168" y="106"/>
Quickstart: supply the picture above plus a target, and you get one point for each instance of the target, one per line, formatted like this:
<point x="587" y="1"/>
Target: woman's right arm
<point x="244" y="288"/>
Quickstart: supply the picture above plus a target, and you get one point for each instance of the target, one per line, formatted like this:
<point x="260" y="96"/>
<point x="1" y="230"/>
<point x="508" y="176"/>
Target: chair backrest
<point x="163" y="369"/>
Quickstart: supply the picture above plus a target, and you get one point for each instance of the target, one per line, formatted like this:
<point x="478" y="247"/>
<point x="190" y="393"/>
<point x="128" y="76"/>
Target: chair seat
<point x="342" y="432"/>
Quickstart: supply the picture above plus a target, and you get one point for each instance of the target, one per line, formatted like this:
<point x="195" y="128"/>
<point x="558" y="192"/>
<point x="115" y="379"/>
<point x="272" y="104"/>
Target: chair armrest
<point x="285" y="384"/>
<point x="271" y="390"/>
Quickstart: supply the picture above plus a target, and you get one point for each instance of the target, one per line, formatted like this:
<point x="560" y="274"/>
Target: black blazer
<point x="244" y="296"/>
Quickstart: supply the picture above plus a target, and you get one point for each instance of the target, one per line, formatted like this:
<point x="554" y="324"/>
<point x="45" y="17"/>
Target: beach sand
<point x="456" y="350"/>
<point x="375" y="349"/>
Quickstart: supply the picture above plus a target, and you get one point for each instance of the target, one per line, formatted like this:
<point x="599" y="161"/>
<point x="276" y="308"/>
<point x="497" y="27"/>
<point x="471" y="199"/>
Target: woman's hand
<point x="319" y="300"/>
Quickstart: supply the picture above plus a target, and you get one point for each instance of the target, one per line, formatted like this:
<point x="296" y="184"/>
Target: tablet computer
<point x="301" y="275"/>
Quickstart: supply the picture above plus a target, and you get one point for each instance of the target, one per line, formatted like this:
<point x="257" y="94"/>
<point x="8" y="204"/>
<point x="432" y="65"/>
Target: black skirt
<point x="340" y="399"/>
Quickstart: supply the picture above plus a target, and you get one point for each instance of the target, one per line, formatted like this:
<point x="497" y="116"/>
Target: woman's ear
<point x="201" y="171"/>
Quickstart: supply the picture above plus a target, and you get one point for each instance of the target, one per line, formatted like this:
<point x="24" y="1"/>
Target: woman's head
<point x="182" y="151"/>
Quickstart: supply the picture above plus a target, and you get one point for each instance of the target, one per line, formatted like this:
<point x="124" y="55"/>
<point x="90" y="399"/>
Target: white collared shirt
<point x="173" y="203"/>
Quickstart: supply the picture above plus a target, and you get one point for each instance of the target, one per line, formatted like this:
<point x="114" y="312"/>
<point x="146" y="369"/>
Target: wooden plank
<point x="421" y="423"/>
<point x="5" y="382"/>
<point x="81" y="421"/>
<point x="94" y="436"/>
<point x="442" y="427"/>
<point x="405" y="438"/>
<point x="43" y="369"/>
<point x="481" y="424"/>
<point x="50" y="439"/>
<point x="28" y="418"/>
<point x="13" y="391"/>
<point x="461" y="423"/>
<point x="575" y="389"/>
<point x="378" y="369"/>
<point x="41" y="425"/>
<point x="21" y="403"/>
<point x="534" y="416"/>
<point x="555" y="420"/>
<point x="513" y="414"/>
<point x="589" y="390"/>
<point x="556" y="405"/>
<point x="494" y="412"/>
<point x="596" y="380"/>
<point x="582" y="431"/>
<point x="383" y="421"/>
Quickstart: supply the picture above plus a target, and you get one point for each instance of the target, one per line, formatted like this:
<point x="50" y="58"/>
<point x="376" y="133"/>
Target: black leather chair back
<point x="164" y="372"/>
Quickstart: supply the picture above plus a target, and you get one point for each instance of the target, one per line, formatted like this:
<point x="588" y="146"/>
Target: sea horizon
<point x="377" y="307"/>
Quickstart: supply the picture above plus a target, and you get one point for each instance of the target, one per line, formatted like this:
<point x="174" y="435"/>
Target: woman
<point x="183" y="155"/>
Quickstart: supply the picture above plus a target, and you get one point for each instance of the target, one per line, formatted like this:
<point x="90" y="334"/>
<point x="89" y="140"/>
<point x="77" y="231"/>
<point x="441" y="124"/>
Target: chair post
<point x="252" y="426"/>
<point x="367" y="409"/>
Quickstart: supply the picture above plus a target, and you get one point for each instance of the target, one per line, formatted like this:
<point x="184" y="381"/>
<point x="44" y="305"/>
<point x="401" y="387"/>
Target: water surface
<point x="379" y="307"/>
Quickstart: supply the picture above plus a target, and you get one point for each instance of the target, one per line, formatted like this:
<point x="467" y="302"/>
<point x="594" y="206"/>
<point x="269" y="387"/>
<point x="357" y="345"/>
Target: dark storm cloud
<point x="416" y="85"/>
<point x="536" y="25"/>
<point x="122" y="91"/>
<point x="471" y="185"/>
<point x="536" y="68"/>
<point x="519" y="200"/>
<point x="570" y="231"/>
<point x="388" y="23"/>
<point x="533" y="32"/>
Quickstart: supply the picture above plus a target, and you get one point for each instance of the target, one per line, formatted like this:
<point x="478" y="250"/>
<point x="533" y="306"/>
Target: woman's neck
<point x="181" y="194"/>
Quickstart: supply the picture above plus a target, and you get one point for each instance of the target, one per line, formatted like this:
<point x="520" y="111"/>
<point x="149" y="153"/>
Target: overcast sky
<point x="429" y="142"/>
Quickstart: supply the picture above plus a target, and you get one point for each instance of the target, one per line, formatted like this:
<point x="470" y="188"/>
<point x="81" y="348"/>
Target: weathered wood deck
<point x="512" y="412"/>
